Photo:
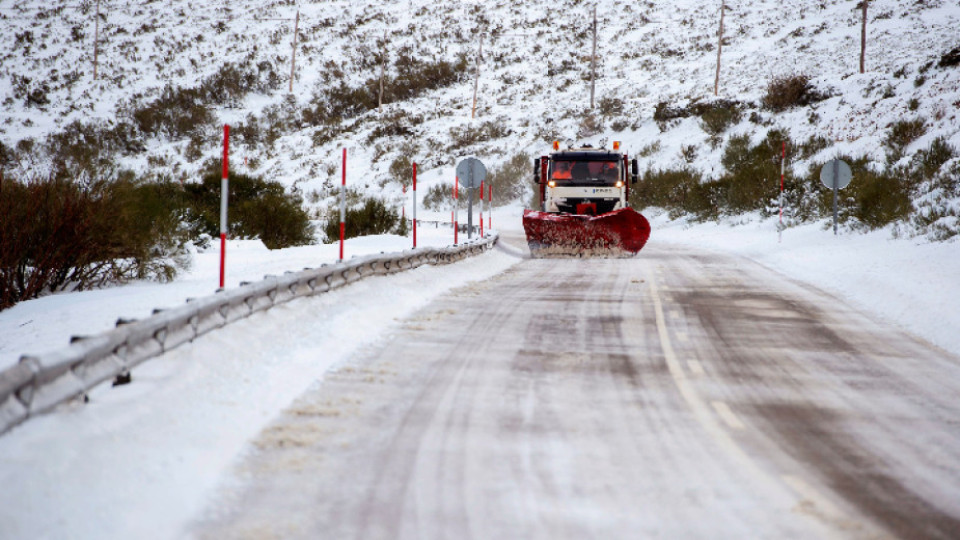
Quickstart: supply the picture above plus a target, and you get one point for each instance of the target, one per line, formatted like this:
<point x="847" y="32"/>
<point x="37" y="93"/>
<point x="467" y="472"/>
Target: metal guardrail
<point x="37" y="384"/>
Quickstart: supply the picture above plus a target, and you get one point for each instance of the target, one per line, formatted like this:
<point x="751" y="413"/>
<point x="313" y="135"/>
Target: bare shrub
<point x="590" y="125"/>
<point x="88" y="150"/>
<point x="469" y="135"/>
<point x="610" y="106"/>
<point x="791" y="91"/>
<point x="929" y="161"/>
<point x="901" y="134"/>
<point x="177" y="113"/>
<point x="58" y="235"/>
<point x="414" y="78"/>
<point x="718" y="114"/>
<point x="950" y="59"/>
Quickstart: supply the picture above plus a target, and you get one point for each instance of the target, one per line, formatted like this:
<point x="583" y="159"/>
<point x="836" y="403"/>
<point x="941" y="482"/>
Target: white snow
<point x="138" y="460"/>
<point x="47" y="323"/>
<point x="908" y="283"/>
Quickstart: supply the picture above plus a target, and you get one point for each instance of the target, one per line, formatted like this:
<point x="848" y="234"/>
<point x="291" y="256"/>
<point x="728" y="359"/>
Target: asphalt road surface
<point x="678" y="394"/>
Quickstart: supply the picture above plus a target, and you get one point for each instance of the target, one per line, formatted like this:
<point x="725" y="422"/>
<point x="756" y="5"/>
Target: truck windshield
<point x="567" y="170"/>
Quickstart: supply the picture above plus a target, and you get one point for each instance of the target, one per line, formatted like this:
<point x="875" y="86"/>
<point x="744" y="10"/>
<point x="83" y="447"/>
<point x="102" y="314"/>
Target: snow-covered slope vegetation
<point x="171" y="72"/>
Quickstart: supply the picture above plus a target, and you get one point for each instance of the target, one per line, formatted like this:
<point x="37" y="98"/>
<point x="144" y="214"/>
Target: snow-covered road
<point x="678" y="394"/>
<point x="807" y="404"/>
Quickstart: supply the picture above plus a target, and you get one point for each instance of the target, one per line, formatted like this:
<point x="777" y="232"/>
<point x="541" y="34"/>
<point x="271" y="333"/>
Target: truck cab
<point x="584" y="181"/>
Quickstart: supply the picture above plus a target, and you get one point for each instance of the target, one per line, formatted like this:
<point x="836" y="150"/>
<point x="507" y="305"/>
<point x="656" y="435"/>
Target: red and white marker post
<point x="343" y="202"/>
<point x="481" y="209"/>
<point x="456" y="211"/>
<point x="414" y="205"/>
<point x="224" y="191"/>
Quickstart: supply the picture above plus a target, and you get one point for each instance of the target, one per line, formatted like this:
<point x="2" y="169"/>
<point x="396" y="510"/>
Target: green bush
<point x="717" y="115"/>
<point x="7" y="155"/>
<point x="937" y="214"/>
<point x="790" y="91"/>
<point x="373" y="216"/>
<point x="880" y="199"/>
<point x="257" y="209"/>
<point x="679" y="191"/>
<point x="177" y="113"/>
<point x="929" y="161"/>
<point x="902" y="133"/>
<point x="57" y="235"/>
<point x="813" y="145"/>
<point x="413" y="78"/>
<point x="752" y="172"/>
<point x="89" y="150"/>
<point x="401" y="170"/>
<point x="510" y="179"/>
<point x="233" y="82"/>
<point x="395" y="124"/>
<point x="440" y="197"/>
<point x="715" y="120"/>
<point x="749" y="183"/>
<point x="872" y="200"/>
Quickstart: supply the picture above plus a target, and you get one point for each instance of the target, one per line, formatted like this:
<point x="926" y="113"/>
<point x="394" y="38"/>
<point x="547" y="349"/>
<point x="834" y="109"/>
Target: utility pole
<point x="716" y="80"/>
<point x="383" y="64"/>
<point x="476" y="80"/>
<point x="593" y="58"/>
<point x="293" y="57"/>
<point x="96" y="41"/>
<point x="863" y="36"/>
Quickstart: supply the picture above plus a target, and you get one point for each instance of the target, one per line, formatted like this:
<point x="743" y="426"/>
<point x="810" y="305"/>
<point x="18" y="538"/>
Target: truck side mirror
<point x="635" y="170"/>
<point x="536" y="171"/>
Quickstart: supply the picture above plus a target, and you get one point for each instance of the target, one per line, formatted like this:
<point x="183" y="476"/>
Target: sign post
<point x="414" y="205"/>
<point x="224" y="191"/>
<point x="343" y="202"/>
<point x="472" y="172"/>
<point x="456" y="210"/>
<point x="836" y="175"/>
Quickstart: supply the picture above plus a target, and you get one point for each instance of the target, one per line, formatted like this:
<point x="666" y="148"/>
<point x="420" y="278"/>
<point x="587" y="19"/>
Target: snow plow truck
<point x="583" y="209"/>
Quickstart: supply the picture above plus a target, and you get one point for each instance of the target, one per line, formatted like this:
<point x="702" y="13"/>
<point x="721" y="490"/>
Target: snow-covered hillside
<point x="533" y="85"/>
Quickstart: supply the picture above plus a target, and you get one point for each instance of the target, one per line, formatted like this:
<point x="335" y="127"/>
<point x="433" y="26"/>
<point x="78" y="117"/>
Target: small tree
<point x="258" y="209"/>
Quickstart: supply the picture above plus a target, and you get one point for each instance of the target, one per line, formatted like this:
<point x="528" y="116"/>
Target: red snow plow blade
<point x="621" y="233"/>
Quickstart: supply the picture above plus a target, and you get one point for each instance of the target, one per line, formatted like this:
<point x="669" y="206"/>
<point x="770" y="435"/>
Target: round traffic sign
<point x="836" y="174"/>
<point x="471" y="172"/>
